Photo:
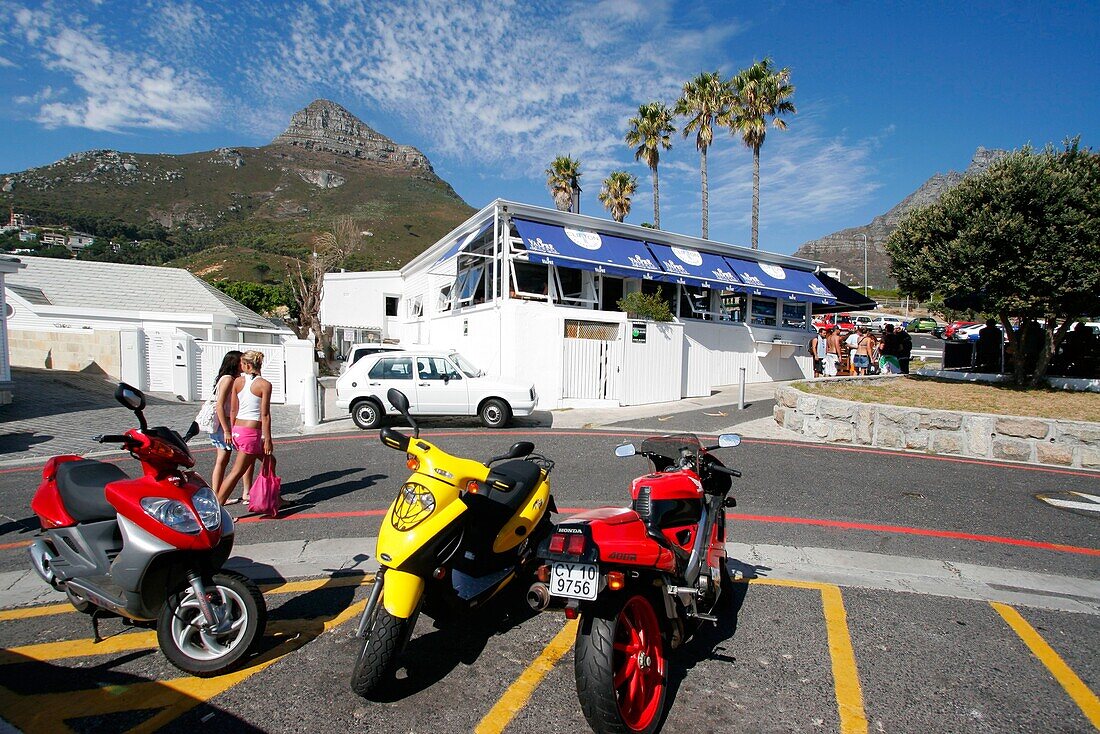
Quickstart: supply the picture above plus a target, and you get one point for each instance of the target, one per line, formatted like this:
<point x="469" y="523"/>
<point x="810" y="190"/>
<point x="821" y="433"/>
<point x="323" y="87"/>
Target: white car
<point x="436" y="382"/>
<point x="358" y="351"/>
<point x="879" y="322"/>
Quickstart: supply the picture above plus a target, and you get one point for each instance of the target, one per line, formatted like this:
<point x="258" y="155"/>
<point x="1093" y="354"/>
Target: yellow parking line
<point x="284" y="587"/>
<point x="1085" y="699"/>
<point x="47" y="712"/>
<point x="846" y="685"/>
<point x="519" y="693"/>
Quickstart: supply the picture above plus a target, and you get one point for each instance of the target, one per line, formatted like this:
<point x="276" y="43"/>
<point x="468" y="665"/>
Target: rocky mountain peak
<point x="326" y="126"/>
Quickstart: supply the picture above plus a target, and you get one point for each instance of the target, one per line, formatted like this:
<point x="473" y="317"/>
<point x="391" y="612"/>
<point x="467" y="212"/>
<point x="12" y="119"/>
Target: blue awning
<point x="691" y="267"/>
<point x="586" y="249"/>
<point x="461" y="242"/>
<point x="773" y="280"/>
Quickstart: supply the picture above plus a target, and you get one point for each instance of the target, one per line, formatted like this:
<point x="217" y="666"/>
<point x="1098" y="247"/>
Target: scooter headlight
<point x="415" y="503"/>
<point x="171" y="513"/>
<point x="206" y="504"/>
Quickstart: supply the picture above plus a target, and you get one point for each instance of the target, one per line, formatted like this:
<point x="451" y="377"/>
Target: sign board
<point x="637" y="332"/>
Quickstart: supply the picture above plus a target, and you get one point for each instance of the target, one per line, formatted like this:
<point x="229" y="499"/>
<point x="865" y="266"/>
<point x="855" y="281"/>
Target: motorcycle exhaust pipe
<point x="40" y="562"/>
<point x="538" y="596"/>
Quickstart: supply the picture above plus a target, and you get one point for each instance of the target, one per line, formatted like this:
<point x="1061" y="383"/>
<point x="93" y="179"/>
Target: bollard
<point x="741" y="391"/>
<point x="309" y="401"/>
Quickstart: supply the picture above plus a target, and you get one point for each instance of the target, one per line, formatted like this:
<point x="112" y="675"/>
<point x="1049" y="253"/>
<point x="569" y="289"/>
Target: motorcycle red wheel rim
<point x="639" y="664"/>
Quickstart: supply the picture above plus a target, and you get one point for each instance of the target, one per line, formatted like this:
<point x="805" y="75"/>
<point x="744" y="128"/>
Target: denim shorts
<point x="861" y="361"/>
<point x="218" y="439"/>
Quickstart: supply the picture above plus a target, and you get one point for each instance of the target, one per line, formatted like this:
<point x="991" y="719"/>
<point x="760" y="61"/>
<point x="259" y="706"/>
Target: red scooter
<point x="641" y="579"/>
<point x="148" y="549"/>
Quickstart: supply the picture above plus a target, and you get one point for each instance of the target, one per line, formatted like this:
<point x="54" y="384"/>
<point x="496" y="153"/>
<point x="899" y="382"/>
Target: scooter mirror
<point x="627" y="449"/>
<point x="520" y="448"/>
<point x="192" y="431"/>
<point x="130" y="397"/>
<point x="398" y="400"/>
<point x="728" y="440"/>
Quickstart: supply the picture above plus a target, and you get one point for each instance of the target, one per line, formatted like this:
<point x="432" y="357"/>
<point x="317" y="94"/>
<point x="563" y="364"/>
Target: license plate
<point x="574" y="580"/>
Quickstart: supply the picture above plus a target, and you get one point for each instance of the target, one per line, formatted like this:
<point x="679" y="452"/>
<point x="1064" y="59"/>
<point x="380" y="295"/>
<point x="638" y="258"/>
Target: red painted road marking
<point x="839" y="524"/>
<point x="20" y="544"/>
<point x="615" y="434"/>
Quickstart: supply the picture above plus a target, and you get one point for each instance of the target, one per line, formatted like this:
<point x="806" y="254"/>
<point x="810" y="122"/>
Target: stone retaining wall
<point x="1037" y="440"/>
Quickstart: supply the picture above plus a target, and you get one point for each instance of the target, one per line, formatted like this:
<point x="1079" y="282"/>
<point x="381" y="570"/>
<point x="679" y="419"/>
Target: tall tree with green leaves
<point x="761" y="94"/>
<point x="650" y="131"/>
<point x="561" y="174"/>
<point x="617" y="193"/>
<point x="1021" y="239"/>
<point x="704" y="99"/>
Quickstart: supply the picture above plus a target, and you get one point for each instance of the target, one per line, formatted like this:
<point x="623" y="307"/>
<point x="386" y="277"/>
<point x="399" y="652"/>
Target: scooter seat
<point x="82" y="485"/>
<point x="525" y="474"/>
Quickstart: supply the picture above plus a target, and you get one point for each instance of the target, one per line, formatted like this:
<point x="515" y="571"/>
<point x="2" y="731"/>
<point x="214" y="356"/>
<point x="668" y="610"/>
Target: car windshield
<point x="676" y="447"/>
<point x="467" y="369"/>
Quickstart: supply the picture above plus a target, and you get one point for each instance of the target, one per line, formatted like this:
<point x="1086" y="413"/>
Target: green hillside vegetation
<point x="236" y="213"/>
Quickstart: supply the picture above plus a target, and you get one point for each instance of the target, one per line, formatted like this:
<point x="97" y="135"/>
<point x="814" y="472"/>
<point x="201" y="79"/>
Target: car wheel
<point x="494" y="413"/>
<point x="367" y="414"/>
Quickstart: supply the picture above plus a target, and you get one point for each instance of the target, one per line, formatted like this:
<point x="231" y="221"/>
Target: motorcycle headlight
<point x="414" y="504"/>
<point x="206" y="504"/>
<point x="171" y="513"/>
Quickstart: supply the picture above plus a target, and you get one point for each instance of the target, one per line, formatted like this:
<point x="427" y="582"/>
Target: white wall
<point x="652" y="369"/>
<point x="358" y="299"/>
<point x="719" y="349"/>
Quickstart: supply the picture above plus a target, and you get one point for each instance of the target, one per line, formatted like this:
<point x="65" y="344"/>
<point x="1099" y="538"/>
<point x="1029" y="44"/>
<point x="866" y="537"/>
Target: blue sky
<point x="888" y="93"/>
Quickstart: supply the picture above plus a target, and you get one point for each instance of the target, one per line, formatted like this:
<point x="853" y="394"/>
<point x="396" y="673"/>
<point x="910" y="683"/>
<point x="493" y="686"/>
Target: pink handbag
<point x="263" y="497"/>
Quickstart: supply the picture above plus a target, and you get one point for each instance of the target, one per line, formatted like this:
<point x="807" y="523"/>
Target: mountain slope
<point x="271" y="199"/>
<point x="844" y="249"/>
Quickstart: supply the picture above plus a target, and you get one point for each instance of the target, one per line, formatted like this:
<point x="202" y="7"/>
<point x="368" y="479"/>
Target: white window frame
<point x="589" y="295"/>
<point x="752" y="302"/>
<point x="415" y="307"/>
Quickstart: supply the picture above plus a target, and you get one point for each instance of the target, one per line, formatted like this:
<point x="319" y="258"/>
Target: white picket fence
<point x="210" y="361"/>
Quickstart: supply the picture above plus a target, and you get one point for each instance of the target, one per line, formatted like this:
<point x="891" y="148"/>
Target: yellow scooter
<point x="457" y="534"/>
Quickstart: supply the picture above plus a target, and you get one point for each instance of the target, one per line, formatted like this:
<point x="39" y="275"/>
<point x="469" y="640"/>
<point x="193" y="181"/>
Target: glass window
<point x="734" y="306"/>
<point x="763" y="311"/>
<point x="444" y="301"/>
<point x="530" y="279"/>
<point x="794" y="315"/>
<point x="467" y="368"/>
<point x="468" y="282"/>
<point x="391" y="305"/>
<point x="392" y="368"/>
<point x="436" y="368"/>
<point x="611" y="292"/>
<point x="416" y="307"/>
<point x="694" y="302"/>
<point x="575" y="286"/>
<point x="667" y="292"/>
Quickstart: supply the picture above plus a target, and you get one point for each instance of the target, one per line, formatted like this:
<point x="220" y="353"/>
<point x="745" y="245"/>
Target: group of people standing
<point x="859" y="352"/>
<point x="242" y="422"/>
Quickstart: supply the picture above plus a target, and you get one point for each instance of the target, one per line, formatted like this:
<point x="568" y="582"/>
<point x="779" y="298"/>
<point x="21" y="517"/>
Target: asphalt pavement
<point x="880" y="591"/>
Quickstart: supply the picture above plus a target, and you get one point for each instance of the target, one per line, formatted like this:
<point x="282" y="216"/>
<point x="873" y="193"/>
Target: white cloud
<point x="183" y="27"/>
<point x="42" y="95"/>
<point x="112" y="89"/>
<point x="492" y="83"/>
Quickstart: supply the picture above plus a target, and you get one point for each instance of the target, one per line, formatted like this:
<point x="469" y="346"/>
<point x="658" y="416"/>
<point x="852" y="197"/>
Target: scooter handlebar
<point x="725" y="470"/>
<point x="112" y="438"/>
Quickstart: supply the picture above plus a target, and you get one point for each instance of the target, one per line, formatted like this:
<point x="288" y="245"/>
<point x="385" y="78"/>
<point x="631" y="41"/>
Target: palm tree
<point x="651" y="130"/>
<point x="760" y="94"/>
<point x="563" y="172"/>
<point x="704" y="98"/>
<point x="618" y="188"/>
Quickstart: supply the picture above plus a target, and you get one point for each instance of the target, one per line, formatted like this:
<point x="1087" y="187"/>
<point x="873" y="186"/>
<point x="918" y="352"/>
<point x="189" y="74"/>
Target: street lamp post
<point x="864" y="235"/>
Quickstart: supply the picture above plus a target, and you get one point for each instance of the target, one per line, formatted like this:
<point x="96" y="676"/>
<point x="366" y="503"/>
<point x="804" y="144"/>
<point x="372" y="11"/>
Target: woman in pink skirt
<point x="251" y="420"/>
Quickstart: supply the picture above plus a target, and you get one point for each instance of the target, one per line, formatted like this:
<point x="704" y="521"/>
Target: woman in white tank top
<point x="251" y="421"/>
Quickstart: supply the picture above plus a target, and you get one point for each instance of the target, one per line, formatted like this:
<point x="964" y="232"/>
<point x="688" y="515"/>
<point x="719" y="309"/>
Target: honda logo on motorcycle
<point x="414" y="504"/>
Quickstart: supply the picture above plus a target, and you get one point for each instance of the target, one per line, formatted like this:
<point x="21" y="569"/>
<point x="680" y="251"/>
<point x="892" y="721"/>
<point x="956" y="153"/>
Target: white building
<point x="77" y="241"/>
<point x="158" y="328"/>
<point x="529" y="292"/>
<point x="7" y="388"/>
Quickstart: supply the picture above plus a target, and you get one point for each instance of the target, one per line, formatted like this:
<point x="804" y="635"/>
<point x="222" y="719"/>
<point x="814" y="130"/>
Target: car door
<point x="440" y="387"/>
<point x="393" y="372"/>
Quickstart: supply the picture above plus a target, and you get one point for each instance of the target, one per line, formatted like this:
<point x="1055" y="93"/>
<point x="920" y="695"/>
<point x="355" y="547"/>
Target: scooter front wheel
<point x="187" y="639"/>
<point x="621" y="669"/>
<point x="377" y="658"/>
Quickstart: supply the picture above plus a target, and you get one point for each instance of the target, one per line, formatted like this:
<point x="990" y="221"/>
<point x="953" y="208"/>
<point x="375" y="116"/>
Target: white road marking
<point x="1092" y="505"/>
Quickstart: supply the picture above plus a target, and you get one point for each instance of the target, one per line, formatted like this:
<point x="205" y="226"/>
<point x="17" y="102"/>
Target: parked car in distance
<point x="862" y="321"/>
<point x="358" y="351"/>
<point x="921" y="324"/>
<point x="436" y="382"/>
<point x="972" y="332"/>
<point x="879" y="322"/>
<point x="949" y="331"/>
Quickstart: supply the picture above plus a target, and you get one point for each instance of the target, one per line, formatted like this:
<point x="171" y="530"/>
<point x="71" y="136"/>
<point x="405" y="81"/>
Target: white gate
<point x="592" y="360"/>
<point x="210" y="361"/>
<point x="158" y="361"/>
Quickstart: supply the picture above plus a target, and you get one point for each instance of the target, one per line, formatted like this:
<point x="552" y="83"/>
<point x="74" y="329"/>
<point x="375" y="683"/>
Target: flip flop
<point x="230" y="502"/>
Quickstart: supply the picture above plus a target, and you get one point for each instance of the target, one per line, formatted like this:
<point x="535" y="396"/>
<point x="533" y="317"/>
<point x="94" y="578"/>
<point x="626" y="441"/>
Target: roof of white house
<point x="121" y="287"/>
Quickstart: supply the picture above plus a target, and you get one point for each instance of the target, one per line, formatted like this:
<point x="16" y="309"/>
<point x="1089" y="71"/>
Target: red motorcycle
<point x="641" y="579"/>
<point x="148" y="549"/>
